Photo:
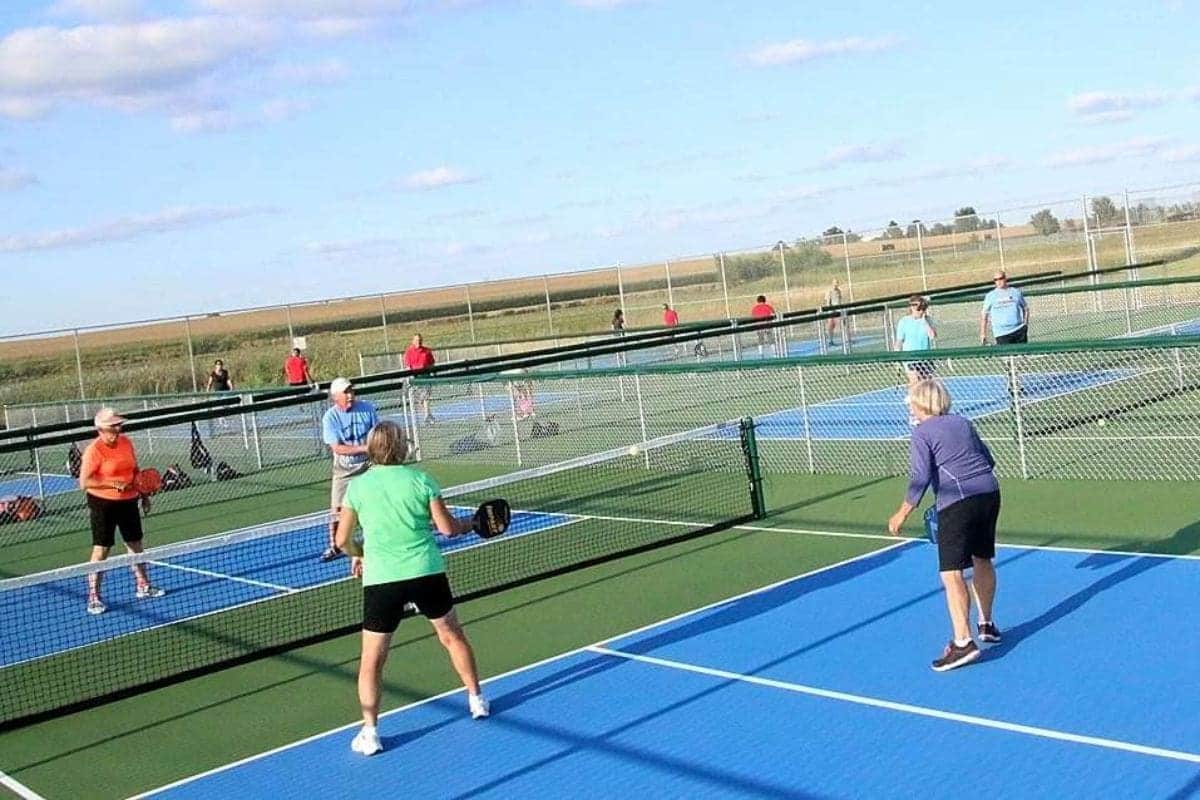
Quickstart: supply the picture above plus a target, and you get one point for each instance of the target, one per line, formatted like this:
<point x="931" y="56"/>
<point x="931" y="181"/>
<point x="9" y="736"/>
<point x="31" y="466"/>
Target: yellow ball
<point x="1102" y="422"/>
<point x="634" y="450"/>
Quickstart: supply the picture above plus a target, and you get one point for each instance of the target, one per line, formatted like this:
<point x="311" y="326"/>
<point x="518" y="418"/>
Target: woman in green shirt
<point x="400" y="563"/>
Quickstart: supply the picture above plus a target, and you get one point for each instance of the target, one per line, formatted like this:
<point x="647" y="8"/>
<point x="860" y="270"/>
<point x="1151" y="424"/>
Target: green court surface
<point x="149" y="740"/>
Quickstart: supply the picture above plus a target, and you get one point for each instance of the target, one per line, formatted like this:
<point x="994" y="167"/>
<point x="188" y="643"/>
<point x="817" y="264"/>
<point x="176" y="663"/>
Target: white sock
<point x="368" y="728"/>
<point x="962" y="642"/>
<point x="985" y="622"/>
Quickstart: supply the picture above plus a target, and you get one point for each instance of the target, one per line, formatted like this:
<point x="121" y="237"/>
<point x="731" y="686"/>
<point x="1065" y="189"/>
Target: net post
<point x="753" y="470"/>
<point x="37" y="471"/>
<point x="1014" y="390"/>
<point x="246" y="400"/>
<point x="258" y="459"/>
<point x="512" y="407"/>
<point x="822" y="338"/>
<point x="411" y="415"/>
<point x="1128" y="310"/>
<point x="149" y="431"/>
<point x="637" y="386"/>
<point x="808" y="446"/>
<point x="482" y="402"/>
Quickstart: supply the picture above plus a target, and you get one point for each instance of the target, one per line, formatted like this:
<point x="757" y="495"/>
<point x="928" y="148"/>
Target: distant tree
<point x="966" y="220"/>
<point x="832" y="230"/>
<point x="1105" y="211"/>
<point x="893" y="231"/>
<point x="911" y="230"/>
<point x="1069" y="225"/>
<point x="938" y="229"/>
<point x="851" y="236"/>
<point x="1045" y="222"/>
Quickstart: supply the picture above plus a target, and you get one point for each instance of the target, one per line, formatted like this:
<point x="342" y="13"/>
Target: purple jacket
<point x="947" y="454"/>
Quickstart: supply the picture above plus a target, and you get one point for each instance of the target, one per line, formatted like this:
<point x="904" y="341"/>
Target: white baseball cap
<point x="107" y="418"/>
<point x="340" y="385"/>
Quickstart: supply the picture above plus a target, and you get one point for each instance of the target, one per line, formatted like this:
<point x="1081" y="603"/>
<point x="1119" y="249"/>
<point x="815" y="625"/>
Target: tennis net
<point x="237" y="596"/>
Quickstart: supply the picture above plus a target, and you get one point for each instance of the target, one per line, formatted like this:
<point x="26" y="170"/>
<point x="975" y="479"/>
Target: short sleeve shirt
<point x="349" y="427"/>
<point x="670" y="318"/>
<point x="117" y="463"/>
<point x="1005" y="308"/>
<point x="295" y="368"/>
<point x="913" y="333"/>
<point x="392" y="504"/>
<point x="418" y="357"/>
<point x="762" y="311"/>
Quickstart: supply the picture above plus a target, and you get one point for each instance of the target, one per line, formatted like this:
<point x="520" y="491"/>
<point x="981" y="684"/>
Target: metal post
<point x="187" y="326"/>
<point x="37" y="471"/>
<point x="1014" y="389"/>
<point x="1130" y="256"/>
<point x="724" y="285"/>
<point x="482" y="404"/>
<point x="258" y="459"/>
<point x="549" y="314"/>
<point x="1087" y="239"/>
<point x="808" y="445"/>
<point x="149" y="431"/>
<point x="470" y="312"/>
<point x="621" y="293"/>
<point x="787" y="294"/>
<point x="921" y="256"/>
<point x="512" y="405"/>
<point x="849" y="279"/>
<point x="670" y="290"/>
<point x="287" y="310"/>
<point x="246" y="400"/>
<point x="79" y="365"/>
<point x="410" y="414"/>
<point x="1178" y="370"/>
<point x="822" y="336"/>
<point x="362" y="368"/>
<point x="383" y="316"/>
<point x="637" y="385"/>
<point x="1000" y="240"/>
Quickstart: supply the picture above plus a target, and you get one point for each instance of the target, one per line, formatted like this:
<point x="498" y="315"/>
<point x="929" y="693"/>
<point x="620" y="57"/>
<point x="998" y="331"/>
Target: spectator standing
<point x="833" y="298"/>
<point x="296" y="371"/>
<point x="219" y="379"/>
<point x="762" y="310"/>
<point x="1005" y="308"/>
<point x="420" y="358"/>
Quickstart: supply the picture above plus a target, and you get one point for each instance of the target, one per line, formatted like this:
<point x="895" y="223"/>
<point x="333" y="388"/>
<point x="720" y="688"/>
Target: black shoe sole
<point x="965" y="659"/>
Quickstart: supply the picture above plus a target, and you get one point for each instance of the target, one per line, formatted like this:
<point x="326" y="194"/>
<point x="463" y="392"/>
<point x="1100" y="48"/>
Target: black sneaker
<point x="331" y="554"/>
<point x="989" y="633"/>
<point x="955" y="656"/>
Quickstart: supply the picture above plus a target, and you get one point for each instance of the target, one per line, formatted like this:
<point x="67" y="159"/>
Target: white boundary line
<point x="526" y="668"/>
<point x="908" y="708"/>
<point x="224" y="577"/>
<point x="18" y="788"/>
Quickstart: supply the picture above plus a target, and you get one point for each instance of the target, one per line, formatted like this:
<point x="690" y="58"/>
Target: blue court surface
<point x="882" y="414"/>
<point x="816" y="687"/>
<point x="196" y="584"/>
<point x="27" y="484"/>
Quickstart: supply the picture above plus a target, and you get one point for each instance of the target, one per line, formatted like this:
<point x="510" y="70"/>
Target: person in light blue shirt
<point x="344" y="429"/>
<point x="1005" y="308"/>
<point x="916" y="332"/>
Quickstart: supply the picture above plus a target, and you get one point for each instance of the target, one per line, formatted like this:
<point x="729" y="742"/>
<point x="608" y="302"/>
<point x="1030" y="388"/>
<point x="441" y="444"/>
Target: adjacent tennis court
<point x="33" y="485"/>
<point x="816" y="687"/>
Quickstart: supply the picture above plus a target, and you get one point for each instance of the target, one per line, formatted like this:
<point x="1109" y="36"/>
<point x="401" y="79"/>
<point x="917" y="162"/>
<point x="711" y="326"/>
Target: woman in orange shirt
<point x="107" y="474"/>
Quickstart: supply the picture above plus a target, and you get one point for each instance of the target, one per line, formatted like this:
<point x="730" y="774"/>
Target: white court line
<point x="18" y="788"/>
<point x="908" y="708"/>
<point x="261" y="584"/>
<point x="518" y="670"/>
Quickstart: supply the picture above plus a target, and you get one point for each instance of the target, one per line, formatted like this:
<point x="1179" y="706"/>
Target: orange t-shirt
<point x="116" y="463"/>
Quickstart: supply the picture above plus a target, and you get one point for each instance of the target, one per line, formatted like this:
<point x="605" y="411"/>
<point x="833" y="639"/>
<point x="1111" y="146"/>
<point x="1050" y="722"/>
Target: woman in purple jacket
<point x="948" y="455"/>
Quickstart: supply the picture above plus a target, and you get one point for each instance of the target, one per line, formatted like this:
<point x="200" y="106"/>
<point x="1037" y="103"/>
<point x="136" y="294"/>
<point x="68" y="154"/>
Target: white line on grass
<point x="221" y="575"/>
<point x="18" y="788"/>
<point x="907" y="708"/>
<point x="526" y="668"/>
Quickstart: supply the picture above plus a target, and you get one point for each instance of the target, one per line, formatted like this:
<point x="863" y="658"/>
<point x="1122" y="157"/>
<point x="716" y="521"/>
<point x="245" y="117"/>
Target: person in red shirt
<point x="107" y="474"/>
<point x="295" y="370"/>
<point x="762" y="310"/>
<point x="670" y="316"/>
<point x="420" y="358"/>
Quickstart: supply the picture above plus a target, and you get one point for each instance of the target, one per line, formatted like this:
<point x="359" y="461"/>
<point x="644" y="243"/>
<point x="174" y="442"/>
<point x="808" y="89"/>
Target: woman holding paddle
<point x="109" y="475"/>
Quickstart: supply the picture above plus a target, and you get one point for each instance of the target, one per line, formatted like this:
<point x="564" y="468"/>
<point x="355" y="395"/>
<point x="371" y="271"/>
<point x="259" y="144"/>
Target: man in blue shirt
<point x="1008" y="312"/>
<point x="916" y="332"/>
<point x="344" y="428"/>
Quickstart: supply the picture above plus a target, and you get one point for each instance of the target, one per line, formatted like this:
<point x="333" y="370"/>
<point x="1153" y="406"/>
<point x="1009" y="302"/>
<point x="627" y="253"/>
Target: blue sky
<point x="159" y="158"/>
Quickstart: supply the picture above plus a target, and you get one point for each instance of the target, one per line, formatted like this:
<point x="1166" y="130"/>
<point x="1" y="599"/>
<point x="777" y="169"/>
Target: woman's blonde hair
<point x="386" y="444"/>
<point x="930" y="397"/>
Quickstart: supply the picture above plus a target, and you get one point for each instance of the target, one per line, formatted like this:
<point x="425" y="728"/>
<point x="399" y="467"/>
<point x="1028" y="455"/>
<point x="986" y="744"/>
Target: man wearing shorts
<point x="419" y="358"/>
<point x="400" y="565"/>
<point x="344" y="428"/>
<point x="1006" y="309"/>
<point x="916" y="332"/>
<point x="762" y="310"/>
<point x="295" y="370"/>
<point x="107" y="474"/>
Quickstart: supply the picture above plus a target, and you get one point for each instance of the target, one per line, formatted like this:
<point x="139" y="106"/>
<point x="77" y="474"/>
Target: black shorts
<point x="1019" y="336"/>
<point x="923" y="369"/>
<point x="966" y="530"/>
<point x="383" y="603"/>
<point x="108" y="515"/>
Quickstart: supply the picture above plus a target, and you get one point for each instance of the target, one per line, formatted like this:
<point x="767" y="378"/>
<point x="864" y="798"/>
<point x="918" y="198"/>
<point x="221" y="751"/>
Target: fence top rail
<point x="956" y="298"/>
<point x="1163" y="343"/>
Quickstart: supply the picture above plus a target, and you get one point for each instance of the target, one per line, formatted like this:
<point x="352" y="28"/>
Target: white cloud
<point x="217" y="120"/>
<point x="283" y="108"/>
<point x="101" y="10"/>
<point x="1102" y="154"/>
<point x="24" y="108"/>
<point x="330" y="70"/>
<point x="307" y="9"/>
<point x="797" y="51"/>
<point x="604" y="4"/>
<point x="337" y="27"/>
<point x="1114" y="106"/>
<point x="1193" y="93"/>
<point x="12" y="180"/>
<point x="438" y="178"/>
<point x="126" y="228"/>
<point x="862" y="154"/>
<point x="1180" y="154"/>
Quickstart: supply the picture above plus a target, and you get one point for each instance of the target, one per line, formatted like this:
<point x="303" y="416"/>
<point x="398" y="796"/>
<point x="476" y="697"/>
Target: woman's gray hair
<point x="930" y="397"/>
<point x="387" y="444"/>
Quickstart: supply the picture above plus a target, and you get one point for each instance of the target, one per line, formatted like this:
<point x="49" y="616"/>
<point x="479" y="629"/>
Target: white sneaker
<point x="479" y="705"/>
<point x="367" y="742"/>
<point x="148" y="591"/>
<point x="96" y="606"/>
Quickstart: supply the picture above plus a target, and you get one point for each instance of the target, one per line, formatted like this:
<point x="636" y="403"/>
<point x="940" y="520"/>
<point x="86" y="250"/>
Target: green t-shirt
<point x="392" y="504"/>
